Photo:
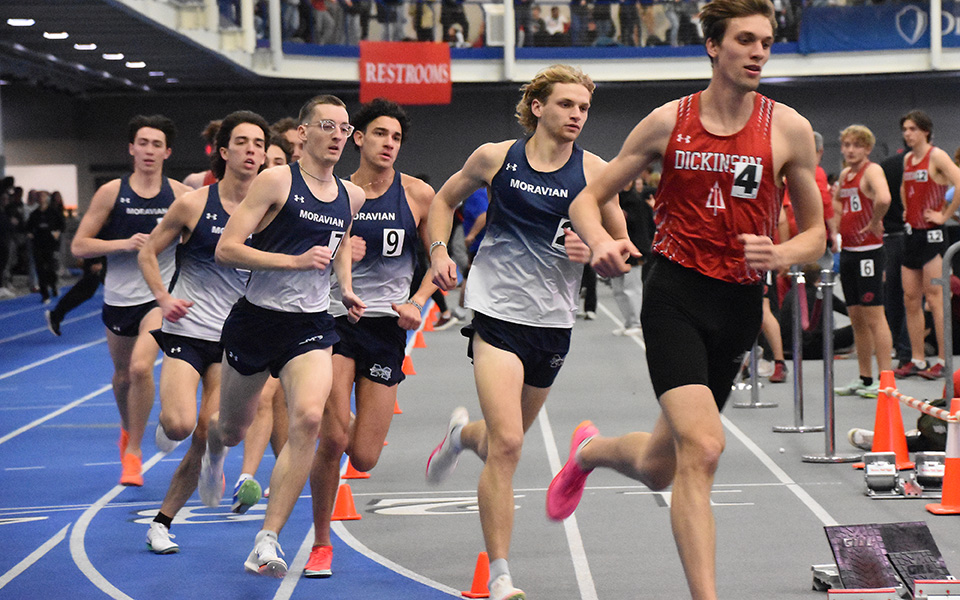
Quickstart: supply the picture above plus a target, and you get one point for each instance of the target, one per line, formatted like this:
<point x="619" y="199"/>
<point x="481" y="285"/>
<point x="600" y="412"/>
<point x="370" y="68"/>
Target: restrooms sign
<point x="405" y="72"/>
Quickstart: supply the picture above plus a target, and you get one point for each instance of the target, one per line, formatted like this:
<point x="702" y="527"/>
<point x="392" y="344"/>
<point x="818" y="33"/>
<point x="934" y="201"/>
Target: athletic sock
<point x="497" y="568"/>
<point x="921" y="364"/>
<point x="264" y="533"/>
<point x="867" y="381"/>
<point x="164" y="520"/>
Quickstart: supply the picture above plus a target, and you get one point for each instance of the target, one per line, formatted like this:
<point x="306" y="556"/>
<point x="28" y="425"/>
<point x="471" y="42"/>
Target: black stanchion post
<point x="796" y="275"/>
<point x="825" y="288"/>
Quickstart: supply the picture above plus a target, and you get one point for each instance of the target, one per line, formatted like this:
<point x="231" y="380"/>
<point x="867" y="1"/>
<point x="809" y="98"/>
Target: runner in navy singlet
<point x="523" y="288"/>
<point x="121" y="215"/>
<point x="194" y="311"/>
<point x="368" y="359"/>
<point x="297" y="216"/>
<point x="725" y="152"/>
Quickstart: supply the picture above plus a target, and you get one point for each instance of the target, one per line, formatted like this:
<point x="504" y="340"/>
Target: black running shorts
<point x="861" y="277"/>
<point x="376" y="345"/>
<point x="697" y="328"/>
<point x="256" y="339"/>
<point x="200" y="354"/>
<point x="921" y="245"/>
<point x="541" y="350"/>
<point x="125" y="320"/>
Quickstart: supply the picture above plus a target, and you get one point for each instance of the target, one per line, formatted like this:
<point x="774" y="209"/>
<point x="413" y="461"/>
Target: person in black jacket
<point x="44" y="228"/>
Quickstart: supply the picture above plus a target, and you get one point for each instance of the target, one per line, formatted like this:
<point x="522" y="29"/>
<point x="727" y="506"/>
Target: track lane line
<point x="33" y="557"/>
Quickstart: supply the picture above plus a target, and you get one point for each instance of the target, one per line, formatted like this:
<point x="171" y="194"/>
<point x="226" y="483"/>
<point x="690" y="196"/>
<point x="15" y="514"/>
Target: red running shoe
<point x="318" y="565"/>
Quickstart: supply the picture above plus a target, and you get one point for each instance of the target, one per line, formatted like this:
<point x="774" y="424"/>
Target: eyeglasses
<point x="329" y="126"/>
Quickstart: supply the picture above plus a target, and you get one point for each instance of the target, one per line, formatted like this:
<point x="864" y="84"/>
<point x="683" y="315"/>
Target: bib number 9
<point x="392" y="242"/>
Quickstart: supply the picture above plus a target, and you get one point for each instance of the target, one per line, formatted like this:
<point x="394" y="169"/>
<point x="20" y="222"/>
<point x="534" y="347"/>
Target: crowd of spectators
<point x="33" y="227"/>
<point x="551" y="23"/>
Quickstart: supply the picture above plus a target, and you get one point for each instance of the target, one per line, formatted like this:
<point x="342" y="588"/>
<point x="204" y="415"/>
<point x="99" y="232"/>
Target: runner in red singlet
<point x="725" y="151"/>
<point x="862" y="200"/>
<point x="927" y="171"/>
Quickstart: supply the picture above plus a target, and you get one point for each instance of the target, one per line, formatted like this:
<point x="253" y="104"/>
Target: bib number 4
<point x="746" y="180"/>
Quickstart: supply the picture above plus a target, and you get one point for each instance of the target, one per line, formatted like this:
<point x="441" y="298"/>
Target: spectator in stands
<point x="324" y="26"/>
<point x="355" y="12"/>
<point x="423" y="20"/>
<point x="579" y="19"/>
<point x="44" y="227"/>
<point x="629" y="23"/>
<point x="391" y="19"/>
<point x="522" y="12"/>
<point x="603" y="18"/>
<point x="555" y="26"/>
<point x="536" y="29"/>
<point x="451" y="11"/>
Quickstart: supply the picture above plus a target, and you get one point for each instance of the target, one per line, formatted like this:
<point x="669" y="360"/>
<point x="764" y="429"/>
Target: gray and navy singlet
<point x="522" y="273"/>
<point x="124" y="285"/>
<point x="302" y="223"/>
<point x="384" y="274"/>
<point x="212" y="288"/>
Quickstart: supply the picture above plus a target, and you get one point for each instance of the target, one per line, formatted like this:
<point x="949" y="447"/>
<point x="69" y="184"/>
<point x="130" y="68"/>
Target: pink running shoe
<point x="566" y="489"/>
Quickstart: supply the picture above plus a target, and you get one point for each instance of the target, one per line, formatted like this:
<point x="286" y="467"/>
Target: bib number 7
<point x="335" y="238"/>
<point x="565" y="223"/>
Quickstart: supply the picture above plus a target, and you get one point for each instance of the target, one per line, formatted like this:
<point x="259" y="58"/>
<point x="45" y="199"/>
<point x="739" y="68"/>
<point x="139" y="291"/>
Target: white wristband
<point x="435" y="244"/>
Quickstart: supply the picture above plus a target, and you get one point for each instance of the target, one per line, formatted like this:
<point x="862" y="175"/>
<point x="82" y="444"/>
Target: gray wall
<point x="44" y="127"/>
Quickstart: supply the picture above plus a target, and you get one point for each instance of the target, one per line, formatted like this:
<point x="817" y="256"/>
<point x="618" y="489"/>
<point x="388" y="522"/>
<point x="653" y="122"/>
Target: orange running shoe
<point x="318" y="565"/>
<point x="132" y="467"/>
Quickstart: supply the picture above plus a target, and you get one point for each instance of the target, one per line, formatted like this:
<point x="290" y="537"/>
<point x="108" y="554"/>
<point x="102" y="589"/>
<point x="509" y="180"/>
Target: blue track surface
<point x="69" y="531"/>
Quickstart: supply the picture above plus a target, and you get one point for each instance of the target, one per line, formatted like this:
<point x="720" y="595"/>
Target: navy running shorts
<point x="256" y="339"/>
<point x="199" y="354"/>
<point x="697" y="328"/>
<point x="541" y="350"/>
<point x="125" y="320"/>
<point x="921" y="245"/>
<point x="376" y="345"/>
<point x="861" y="277"/>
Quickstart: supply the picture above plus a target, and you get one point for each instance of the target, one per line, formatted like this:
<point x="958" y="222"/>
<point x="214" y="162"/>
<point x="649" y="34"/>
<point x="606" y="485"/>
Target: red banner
<point x="405" y="72"/>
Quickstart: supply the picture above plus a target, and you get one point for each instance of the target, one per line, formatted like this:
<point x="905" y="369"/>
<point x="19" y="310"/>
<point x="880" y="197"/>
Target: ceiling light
<point x="135" y="64"/>
<point x="113" y="56"/>
<point x="156" y="73"/>
<point x="21" y="22"/>
<point x="80" y="67"/>
<point x="84" y="46"/>
<point x="52" y="58"/>
<point x="172" y="80"/>
<point x="19" y="47"/>
<point x="61" y="35"/>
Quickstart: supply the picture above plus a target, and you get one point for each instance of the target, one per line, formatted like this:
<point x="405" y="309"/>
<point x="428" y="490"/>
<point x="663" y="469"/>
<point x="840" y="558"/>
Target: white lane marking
<point x="30" y="332"/>
<point x="814" y="506"/>
<point x="55" y="413"/>
<point x="33" y="557"/>
<point x="30" y="309"/>
<point x="79" y="552"/>
<point x="295" y="569"/>
<point x="581" y="568"/>
<point x="638" y="339"/>
<point x="52" y="358"/>
<point x="23" y="468"/>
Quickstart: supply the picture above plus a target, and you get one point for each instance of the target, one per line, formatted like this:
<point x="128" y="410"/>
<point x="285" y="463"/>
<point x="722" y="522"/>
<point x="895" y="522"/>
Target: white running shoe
<point x="164" y="444"/>
<point x="861" y="438"/>
<point x="264" y="559"/>
<point x="212" y="483"/>
<point x="158" y="539"/>
<point x="444" y="458"/>
<point x="502" y="588"/>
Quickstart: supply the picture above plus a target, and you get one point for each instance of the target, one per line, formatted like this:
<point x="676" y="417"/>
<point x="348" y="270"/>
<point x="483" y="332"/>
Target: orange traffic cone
<point x="950" y="500"/>
<point x="352" y="473"/>
<point x="407" y="367"/>
<point x="478" y="589"/>
<point x="418" y="341"/>
<point x="888" y="434"/>
<point x="343" y="509"/>
<point x="396" y="405"/>
<point x="432" y="315"/>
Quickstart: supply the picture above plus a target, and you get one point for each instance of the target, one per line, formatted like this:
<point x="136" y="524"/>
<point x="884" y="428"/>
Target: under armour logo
<point x="115" y="328"/>
<point x="298" y="198"/>
<point x="556" y="362"/>
<point x="124" y="200"/>
<point x="381" y="372"/>
<point x="212" y="216"/>
<point x="511" y="167"/>
<point x="175" y="350"/>
<point x="315" y="338"/>
<point x="683" y="138"/>
<point x="232" y="356"/>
